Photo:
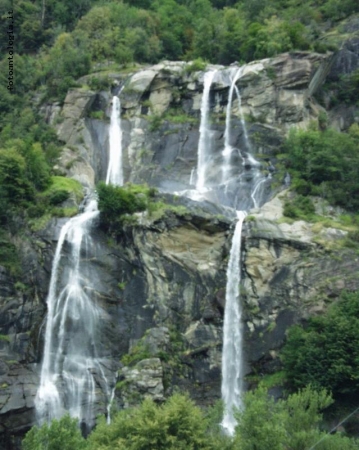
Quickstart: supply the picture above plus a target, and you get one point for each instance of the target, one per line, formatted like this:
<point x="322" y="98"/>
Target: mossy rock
<point x="61" y="188"/>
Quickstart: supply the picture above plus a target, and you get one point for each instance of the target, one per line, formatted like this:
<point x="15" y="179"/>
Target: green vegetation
<point x="325" y="354"/>
<point x="197" y="65"/>
<point x="138" y="352"/>
<point x="300" y="207"/>
<point x="291" y="423"/>
<point x="178" y="424"/>
<point x="270" y="380"/>
<point x="63" y="434"/>
<point x="69" y="35"/>
<point x="61" y="188"/>
<point x="116" y="202"/>
<point x="9" y="257"/>
<point x="323" y="163"/>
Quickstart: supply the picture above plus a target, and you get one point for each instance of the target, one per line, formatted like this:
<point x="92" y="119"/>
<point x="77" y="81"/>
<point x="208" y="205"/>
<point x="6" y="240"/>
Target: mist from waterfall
<point x="204" y="143"/>
<point x="115" y="167"/>
<point x="232" y="377"/>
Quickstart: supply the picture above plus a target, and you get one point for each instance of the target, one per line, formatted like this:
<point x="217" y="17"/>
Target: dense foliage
<point x="292" y="423"/>
<point x="63" y="434"/>
<point x="58" y="42"/>
<point x="325" y="354"/>
<point x="325" y="163"/>
<point x="115" y="202"/>
<point x="145" y="31"/>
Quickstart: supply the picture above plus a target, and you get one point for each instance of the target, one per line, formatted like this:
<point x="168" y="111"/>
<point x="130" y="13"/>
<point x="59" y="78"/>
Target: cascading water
<point x="115" y="169"/>
<point x="71" y="362"/>
<point x="232" y="378"/>
<point x="72" y="371"/>
<point x="241" y="187"/>
<point x="248" y="193"/>
<point x="227" y="151"/>
<point x="243" y="122"/>
<point x="204" y="144"/>
<point x="256" y="194"/>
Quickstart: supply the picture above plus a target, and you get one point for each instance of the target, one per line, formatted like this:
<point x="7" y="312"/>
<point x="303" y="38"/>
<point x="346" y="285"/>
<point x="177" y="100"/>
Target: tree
<point x="67" y="60"/>
<point x="115" y="201"/>
<point x="63" y="434"/>
<point x="15" y="186"/>
<point x="176" y="425"/>
<point x="326" y="352"/>
<point x="291" y="423"/>
<point x="326" y="163"/>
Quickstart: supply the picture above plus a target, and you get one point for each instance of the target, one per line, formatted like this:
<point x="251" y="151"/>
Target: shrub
<point x="99" y="83"/>
<point x="299" y="208"/>
<point x="116" y="201"/>
<point x="9" y="257"/>
<point x="58" y="196"/>
<point x="196" y="66"/>
<point x="61" y="188"/>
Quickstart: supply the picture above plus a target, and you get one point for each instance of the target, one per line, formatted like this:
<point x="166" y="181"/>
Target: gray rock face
<point x="160" y="120"/>
<point x="291" y="271"/>
<point x="21" y="315"/>
<point x="346" y="60"/>
<point x="166" y="276"/>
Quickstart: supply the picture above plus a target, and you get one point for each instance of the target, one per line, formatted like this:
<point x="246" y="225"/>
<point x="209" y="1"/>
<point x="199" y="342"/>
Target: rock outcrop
<point x="161" y="112"/>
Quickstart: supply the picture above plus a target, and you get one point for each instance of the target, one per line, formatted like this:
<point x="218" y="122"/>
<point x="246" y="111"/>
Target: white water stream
<point x="70" y="361"/>
<point x="204" y="144"/>
<point x="232" y="377"/>
<point x="232" y="363"/>
<point x="72" y="372"/>
<point x="115" y="167"/>
<point x="227" y="151"/>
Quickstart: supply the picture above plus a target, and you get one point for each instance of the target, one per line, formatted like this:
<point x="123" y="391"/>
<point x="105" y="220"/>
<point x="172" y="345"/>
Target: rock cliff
<point x="161" y="282"/>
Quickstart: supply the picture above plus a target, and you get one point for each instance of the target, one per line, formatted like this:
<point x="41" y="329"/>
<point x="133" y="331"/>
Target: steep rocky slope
<point x="161" y="283"/>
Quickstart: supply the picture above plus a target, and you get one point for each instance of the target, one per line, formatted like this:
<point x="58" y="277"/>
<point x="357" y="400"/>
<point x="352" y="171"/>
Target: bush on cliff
<point x="115" y="202"/>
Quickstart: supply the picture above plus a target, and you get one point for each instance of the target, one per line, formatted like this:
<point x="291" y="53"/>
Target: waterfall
<point x="70" y="362"/>
<point x="232" y="378"/>
<point x="227" y="151"/>
<point x="72" y="370"/>
<point x="204" y="143"/>
<point x="115" y="169"/>
<point x="243" y="122"/>
<point x="256" y="194"/>
<point x="191" y="178"/>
